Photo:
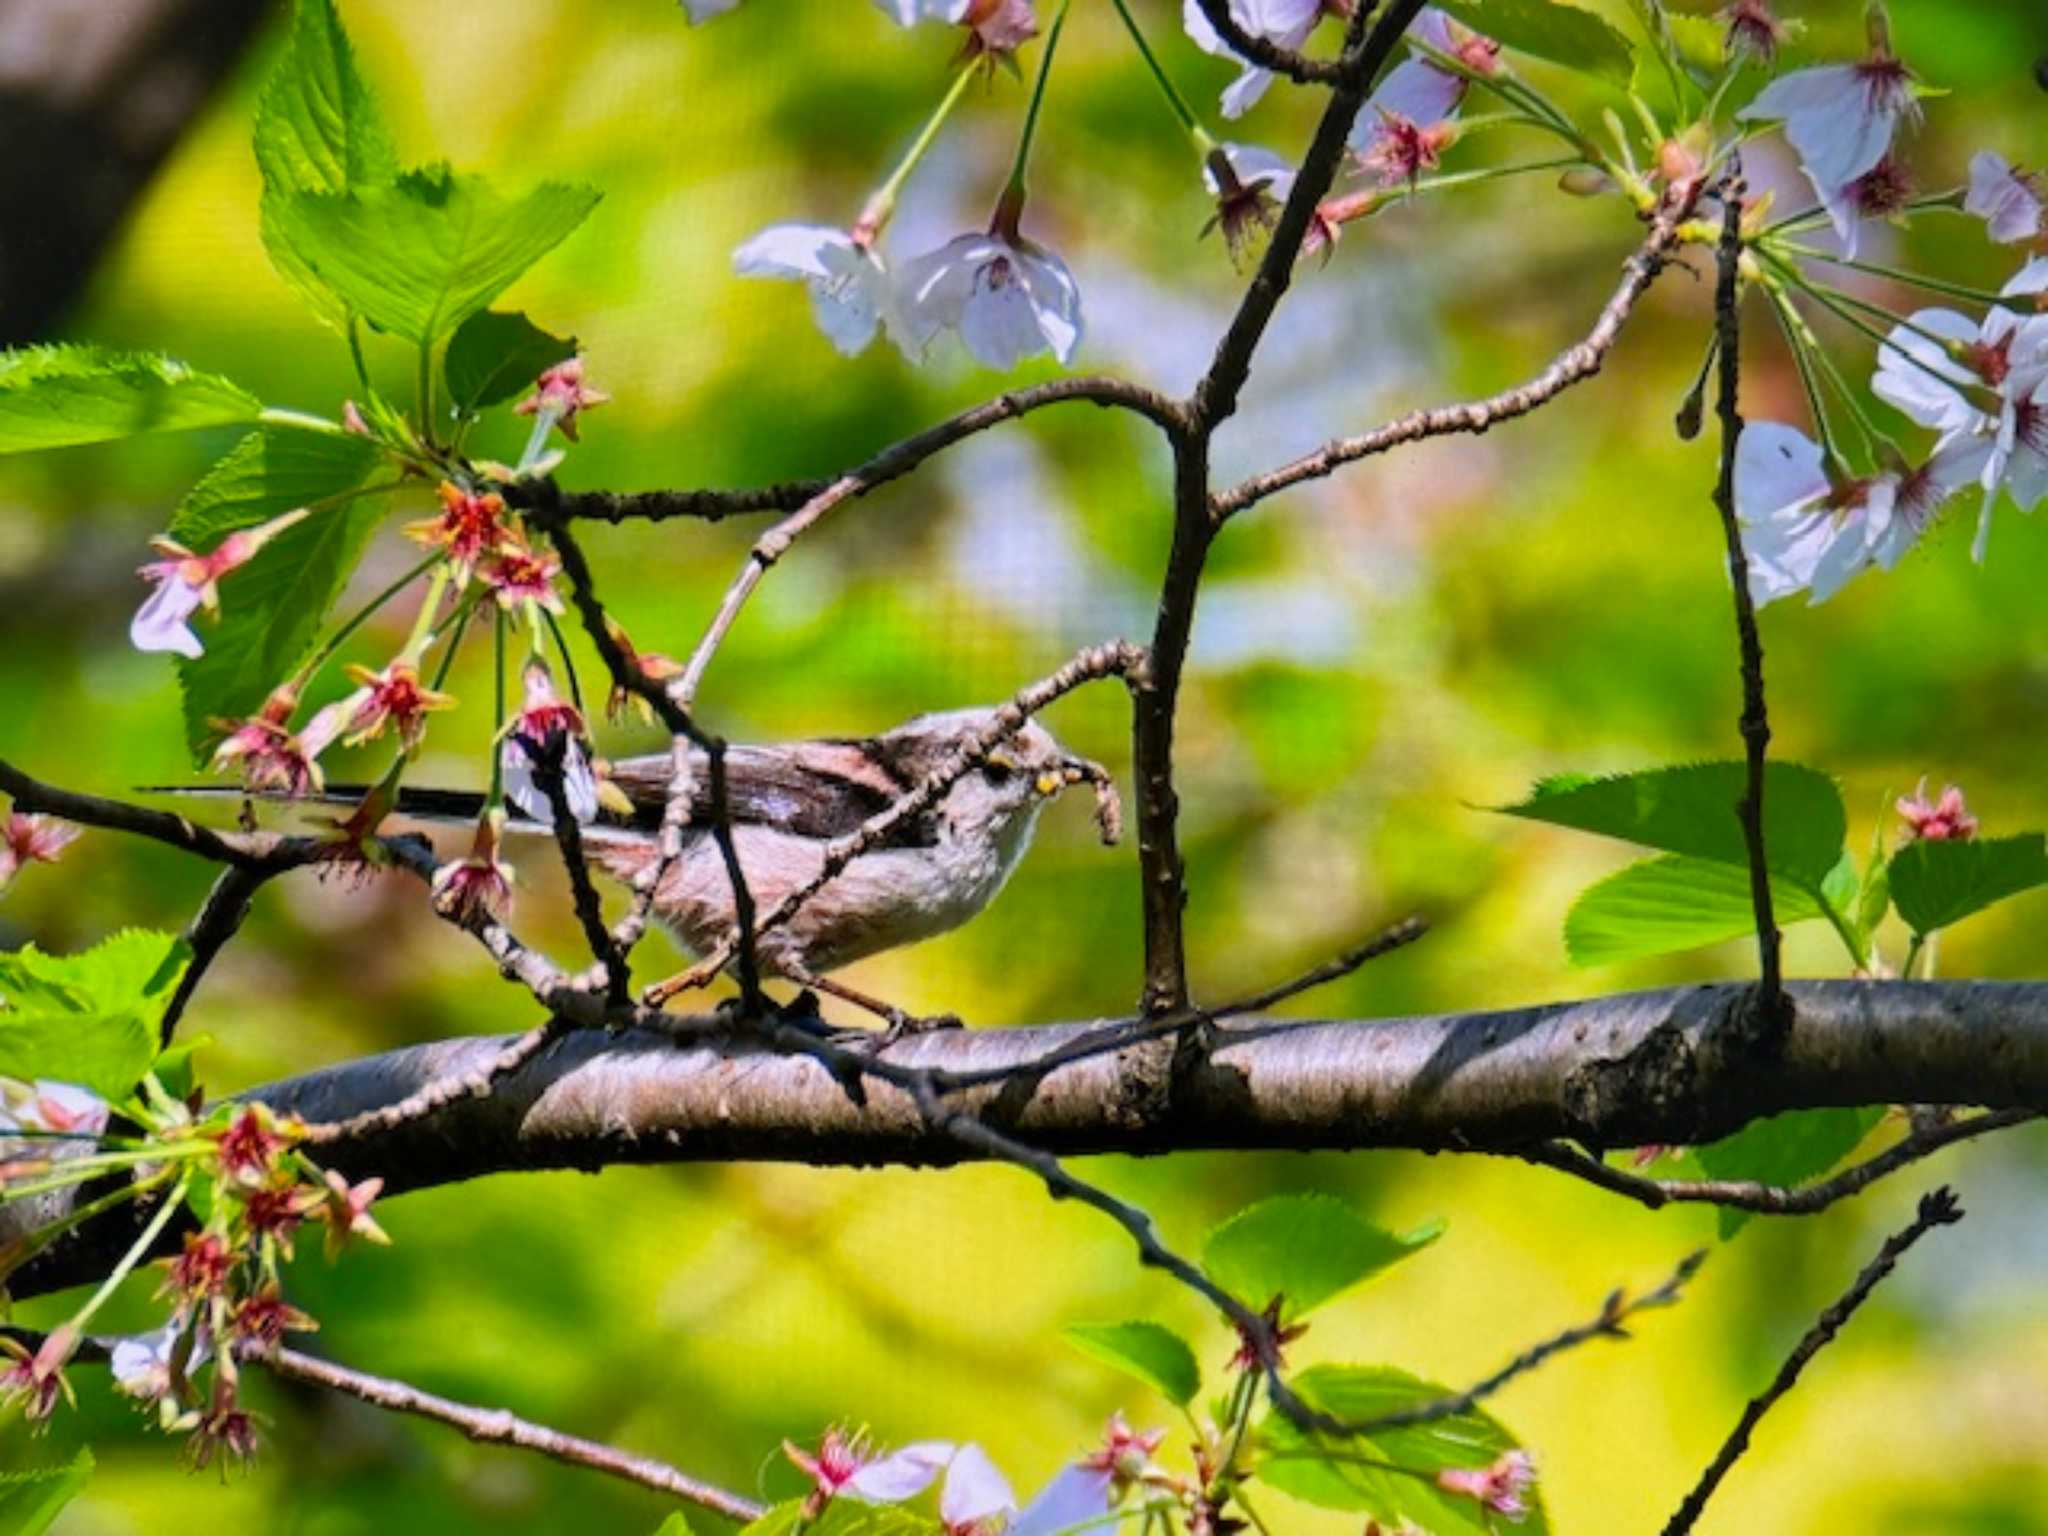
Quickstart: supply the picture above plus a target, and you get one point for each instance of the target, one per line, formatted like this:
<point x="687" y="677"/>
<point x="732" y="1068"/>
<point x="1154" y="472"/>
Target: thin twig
<point x="1938" y="1208"/>
<point x="1774" y="1199"/>
<point x="218" y="920"/>
<point x="1573" y="366"/>
<point x="499" y="1426"/>
<point x="1755" y="723"/>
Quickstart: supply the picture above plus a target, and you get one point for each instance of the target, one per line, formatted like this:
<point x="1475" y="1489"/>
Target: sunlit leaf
<point x="1934" y="884"/>
<point x="32" y="1497"/>
<point x="419" y="256"/>
<point x="1549" y="29"/>
<point x="1352" y="1472"/>
<point x="1692" y="810"/>
<point x="269" y="472"/>
<point x="1153" y="1353"/>
<point x="1786" y="1150"/>
<point x="55" y="396"/>
<point x="1303" y="1249"/>
<point x="89" y="1018"/>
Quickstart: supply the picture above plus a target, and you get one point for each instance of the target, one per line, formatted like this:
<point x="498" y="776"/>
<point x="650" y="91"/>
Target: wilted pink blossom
<point x="1944" y="820"/>
<point x="186" y="582"/>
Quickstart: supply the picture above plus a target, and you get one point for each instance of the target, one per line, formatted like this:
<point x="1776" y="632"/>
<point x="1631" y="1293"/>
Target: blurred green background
<point x="1376" y="657"/>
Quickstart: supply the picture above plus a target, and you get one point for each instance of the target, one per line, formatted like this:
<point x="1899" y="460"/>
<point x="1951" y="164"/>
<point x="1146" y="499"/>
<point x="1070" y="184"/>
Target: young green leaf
<point x="1303" y="1250"/>
<point x="33" y="1497"/>
<point x="271" y="611"/>
<point x="270" y="471"/>
<point x="318" y="128"/>
<point x="1155" y="1354"/>
<point x="1936" y="883"/>
<point x="1785" y="1150"/>
<point x="1549" y="29"/>
<point x="421" y="255"/>
<point x="1355" y="1472"/>
<point x="89" y="1018"/>
<point x="493" y="356"/>
<point x="1670" y="903"/>
<point x="55" y="396"/>
<point x="1692" y="810"/>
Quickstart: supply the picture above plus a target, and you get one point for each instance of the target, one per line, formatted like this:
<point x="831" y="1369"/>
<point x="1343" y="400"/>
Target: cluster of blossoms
<point x="241" y="1171"/>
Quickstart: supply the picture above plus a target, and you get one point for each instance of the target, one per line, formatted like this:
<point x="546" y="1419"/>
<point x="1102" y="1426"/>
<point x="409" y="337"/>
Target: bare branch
<point x="1572" y="366"/>
<point x="1938" y="1208"/>
<point x="499" y="1426"/>
<point x="1773" y="1199"/>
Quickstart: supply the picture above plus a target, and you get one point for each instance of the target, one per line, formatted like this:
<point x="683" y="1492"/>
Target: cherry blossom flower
<point x="1841" y="117"/>
<point x="391" y="697"/>
<point x="261" y="1320"/>
<point x="561" y="395"/>
<point x="1417" y="94"/>
<point x="1500" y="1487"/>
<point x="1939" y="821"/>
<point x="469" y="528"/>
<point x="1249" y="185"/>
<point x="1754" y="30"/>
<point x="479" y="887"/>
<point x="850" y="290"/>
<point x="186" y="582"/>
<point x="976" y="1499"/>
<point x="545" y="725"/>
<point x="1285" y="23"/>
<point x="346" y="1210"/>
<point x="1007" y="297"/>
<point x="26" y="840"/>
<point x="272" y="758"/>
<point x="36" y="1377"/>
<point x="518" y="576"/>
<point x="1881" y="192"/>
<point x="2005" y="197"/>
<point x="843" y="1467"/>
<point x="652" y="665"/>
<point x="1941" y="369"/>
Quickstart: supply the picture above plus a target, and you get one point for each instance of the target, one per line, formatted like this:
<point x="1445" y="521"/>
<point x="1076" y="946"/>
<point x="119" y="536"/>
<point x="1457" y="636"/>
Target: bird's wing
<point x="821" y="789"/>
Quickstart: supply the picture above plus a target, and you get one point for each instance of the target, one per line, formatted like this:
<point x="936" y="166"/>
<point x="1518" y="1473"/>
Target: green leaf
<point x="1691" y="810"/>
<point x="55" y="396"/>
<point x="423" y="254"/>
<point x="1303" y="1249"/>
<point x="842" y="1517"/>
<point x="1563" y="34"/>
<point x="31" y="1499"/>
<point x="1934" y="884"/>
<point x="1784" y="1149"/>
<point x="1671" y="903"/>
<point x="89" y="1018"/>
<point x="1331" y="1474"/>
<point x="1155" y="1354"/>
<point x="271" y="611"/>
<point x="268" y="473"/>
<point x="318" y="128"/>
<point x="493" y="356"/>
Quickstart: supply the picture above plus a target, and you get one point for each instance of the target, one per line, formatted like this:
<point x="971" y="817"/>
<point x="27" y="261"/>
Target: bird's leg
<point x="901" y="1025"/>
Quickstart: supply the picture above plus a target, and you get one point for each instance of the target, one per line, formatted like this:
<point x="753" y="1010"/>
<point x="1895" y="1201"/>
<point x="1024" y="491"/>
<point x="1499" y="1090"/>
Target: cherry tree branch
<point x="1938" y="1208"/>
<point x="499" y="1426"/>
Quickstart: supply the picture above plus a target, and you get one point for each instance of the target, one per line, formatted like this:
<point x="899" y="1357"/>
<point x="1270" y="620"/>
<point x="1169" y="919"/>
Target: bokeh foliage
<point x="1375" y="657"/>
